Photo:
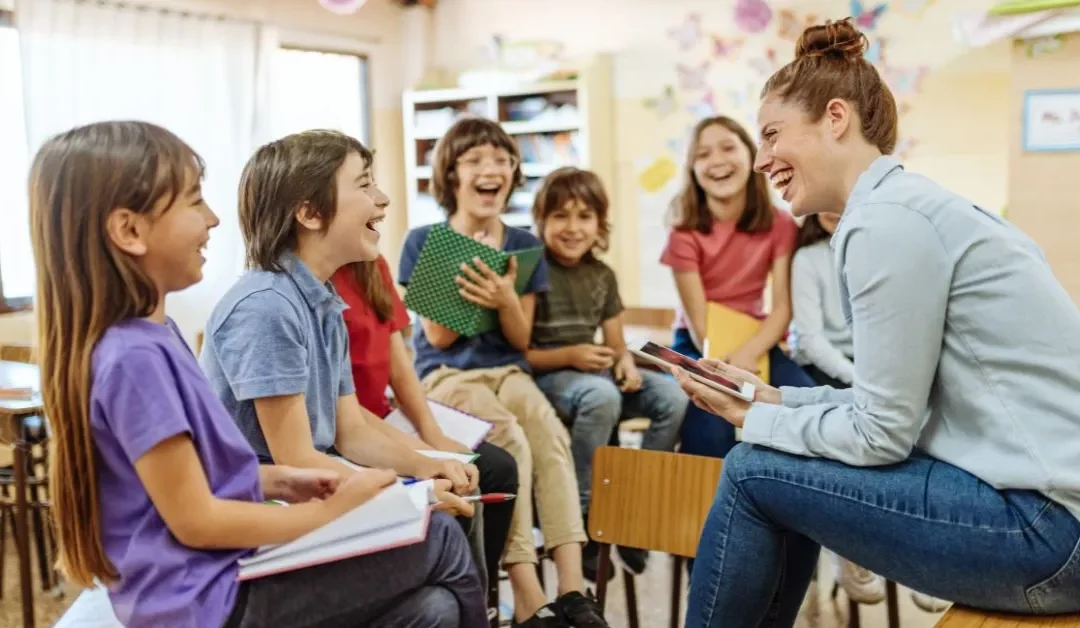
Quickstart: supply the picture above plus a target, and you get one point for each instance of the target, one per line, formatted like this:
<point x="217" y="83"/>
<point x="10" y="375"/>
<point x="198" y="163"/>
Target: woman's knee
<point x="747" y="460"/>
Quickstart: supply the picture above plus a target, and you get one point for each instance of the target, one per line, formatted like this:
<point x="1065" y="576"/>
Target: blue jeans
<point x="923" y="523"/>
<point x="593" y="405"/>
<point x="705" y="434"/>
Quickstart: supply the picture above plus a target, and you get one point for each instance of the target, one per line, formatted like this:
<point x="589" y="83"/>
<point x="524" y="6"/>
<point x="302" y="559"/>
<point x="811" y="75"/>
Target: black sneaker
<point x="633" y="559"/>
<point x="590" y="562"/>
<point x="581" y="610"/>
<point x="549" y="616"/>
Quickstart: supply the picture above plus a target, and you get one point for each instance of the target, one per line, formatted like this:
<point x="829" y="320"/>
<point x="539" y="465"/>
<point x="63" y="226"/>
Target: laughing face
<point x="361" y="206"/>
<point x="799" y="157"/>
<point x="721" y="163"/>
<point x="485" y="178"/>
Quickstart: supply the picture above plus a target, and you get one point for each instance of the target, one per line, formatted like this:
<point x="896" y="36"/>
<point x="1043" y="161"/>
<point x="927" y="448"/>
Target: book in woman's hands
<point x="433" y="292"/>
<point x="396" y="517"/>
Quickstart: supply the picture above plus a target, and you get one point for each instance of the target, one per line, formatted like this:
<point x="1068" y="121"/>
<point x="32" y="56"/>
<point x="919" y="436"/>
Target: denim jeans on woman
<point x="705" y="434"/>
<point x="922" y="523"/>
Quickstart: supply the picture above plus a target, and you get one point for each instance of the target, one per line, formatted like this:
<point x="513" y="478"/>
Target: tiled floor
<point x="653" y="590"/>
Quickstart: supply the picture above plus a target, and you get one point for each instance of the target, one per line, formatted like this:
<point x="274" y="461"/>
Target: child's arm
<point x="287" y="430"/>
<point x="692" y="298"/>
<point x="627" y="375"/>
<point x="411" y="400"/>
<point x="440" y="337"/>
<point x="775" y="324"/>
<point x="175" y="480"/>
<point x="486" y="288"/>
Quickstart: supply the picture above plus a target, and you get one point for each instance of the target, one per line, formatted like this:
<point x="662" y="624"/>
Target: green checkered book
<point x="434" y="294"/>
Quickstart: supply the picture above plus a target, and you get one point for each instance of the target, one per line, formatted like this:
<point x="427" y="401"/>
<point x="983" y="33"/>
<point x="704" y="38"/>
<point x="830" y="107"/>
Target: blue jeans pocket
<point x="1060" y="593"/>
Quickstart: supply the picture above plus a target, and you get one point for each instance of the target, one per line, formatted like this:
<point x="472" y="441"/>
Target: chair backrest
<point x="958" y="617"/>
<point x="651" y="500"/>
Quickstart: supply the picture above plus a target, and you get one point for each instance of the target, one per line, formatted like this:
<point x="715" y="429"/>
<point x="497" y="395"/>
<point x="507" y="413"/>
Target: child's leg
<point x="498" y="474"/>
<point x="592" y="404"/>
<point x="556" y="487"/>
<point x="664" y="403"/>
<point x="783" y="371"/>
<point x="432" y="583"/>
<point x="472" y="392"/>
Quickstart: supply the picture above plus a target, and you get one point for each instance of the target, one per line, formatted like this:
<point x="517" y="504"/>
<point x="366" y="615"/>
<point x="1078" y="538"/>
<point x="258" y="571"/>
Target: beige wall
<point x="1043" y="200"/>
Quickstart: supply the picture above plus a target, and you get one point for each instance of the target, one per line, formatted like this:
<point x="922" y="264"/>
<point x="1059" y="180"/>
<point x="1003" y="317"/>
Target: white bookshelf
<point x="554" y="124"/>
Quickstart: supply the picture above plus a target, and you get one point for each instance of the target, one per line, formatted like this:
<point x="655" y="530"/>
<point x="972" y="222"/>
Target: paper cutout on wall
<point x="724" y="48"/>
<point x="659" y="172"/>
<point x="692" y="77"/>
<point x="752" y="16"/>
<point x="342" y="7"/>
<point x="704" y="107"/>
<point x="765" y="65"/>
<point x="875" y="54"/>
<point x="905" y="81"/>
<point x="688" y="34"/>
<point x="664" y="104"/>
<point x="790" y="26"/>
<point x="918" y="7"/>
<point x="903" y="148"/>
<point x="677" y="145"/>
<point x="1041" y="46"/>
<point x="867" y="19"/>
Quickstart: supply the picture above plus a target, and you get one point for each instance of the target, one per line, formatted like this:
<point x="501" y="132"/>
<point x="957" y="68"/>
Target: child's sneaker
<point x="580" y="610"/>
<point x="633" y="559"/>
<point x="861" y="584"/>
<point x="928" y="603"/>
<point x="549" y="616"/>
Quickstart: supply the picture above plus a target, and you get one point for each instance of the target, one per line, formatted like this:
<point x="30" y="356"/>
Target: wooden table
<point x="12" y="415"/>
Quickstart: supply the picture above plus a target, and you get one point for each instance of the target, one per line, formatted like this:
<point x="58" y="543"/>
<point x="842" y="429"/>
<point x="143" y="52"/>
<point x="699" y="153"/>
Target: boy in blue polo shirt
<point x="276" y="350"/>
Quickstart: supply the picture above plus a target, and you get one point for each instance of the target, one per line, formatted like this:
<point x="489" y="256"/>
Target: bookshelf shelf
<point x="557" y="123"/>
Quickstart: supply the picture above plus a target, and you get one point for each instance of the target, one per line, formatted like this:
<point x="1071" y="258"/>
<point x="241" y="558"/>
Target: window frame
<point x="17" y="304"/>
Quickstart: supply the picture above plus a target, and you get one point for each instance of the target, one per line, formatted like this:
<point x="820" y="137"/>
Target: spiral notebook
<point x="397" y="517"/>
<point x="433" y="292"/>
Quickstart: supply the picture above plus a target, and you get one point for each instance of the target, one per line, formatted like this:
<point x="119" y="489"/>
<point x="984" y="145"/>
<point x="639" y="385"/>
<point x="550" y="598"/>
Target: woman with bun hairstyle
<point x="952" y="464"/>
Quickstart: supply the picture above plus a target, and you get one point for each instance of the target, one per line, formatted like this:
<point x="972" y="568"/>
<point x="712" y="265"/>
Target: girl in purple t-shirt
<point x="156" y="492"/>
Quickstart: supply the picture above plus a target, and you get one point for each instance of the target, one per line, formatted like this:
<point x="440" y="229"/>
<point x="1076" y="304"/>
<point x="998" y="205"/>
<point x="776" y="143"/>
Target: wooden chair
<point x="649" y="500"/>
<point x="958" y="617"/>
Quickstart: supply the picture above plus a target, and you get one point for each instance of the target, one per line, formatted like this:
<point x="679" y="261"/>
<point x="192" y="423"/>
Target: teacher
<point x="952" y="465"/>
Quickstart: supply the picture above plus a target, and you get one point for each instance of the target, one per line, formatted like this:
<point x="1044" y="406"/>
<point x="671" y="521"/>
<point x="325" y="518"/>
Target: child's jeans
<point x="592" y="405"/>
<point x="925" y="524"/>
<point x="705" y="434"/>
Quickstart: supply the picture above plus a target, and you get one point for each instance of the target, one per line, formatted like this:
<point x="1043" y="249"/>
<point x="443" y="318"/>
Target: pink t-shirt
<point x="734" y="266"/>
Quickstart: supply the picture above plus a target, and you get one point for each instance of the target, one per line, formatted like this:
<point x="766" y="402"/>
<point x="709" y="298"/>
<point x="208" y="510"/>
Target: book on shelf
<point x="433" y="292"/>
<point x="396" y="517"/>
<point x="455" y="424"/>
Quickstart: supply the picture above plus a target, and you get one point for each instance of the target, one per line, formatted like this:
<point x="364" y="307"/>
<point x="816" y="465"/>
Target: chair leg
<point x="38" y="522"/>
<point x="853" y="614"/>
<point x="602" y="571"/>
<point x="3" y="546"/>
<point x="677" y="566"/>
<point x="891" y="599"/>
<point x="630" y="584"/>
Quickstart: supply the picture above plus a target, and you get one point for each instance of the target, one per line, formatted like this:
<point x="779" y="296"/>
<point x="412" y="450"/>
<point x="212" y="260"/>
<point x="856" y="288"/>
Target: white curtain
<point x="197" y="76"/>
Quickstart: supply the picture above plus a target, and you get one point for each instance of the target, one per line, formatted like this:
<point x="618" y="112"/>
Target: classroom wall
<point x="954" y="129"/>
<point x="1042" y="198"/>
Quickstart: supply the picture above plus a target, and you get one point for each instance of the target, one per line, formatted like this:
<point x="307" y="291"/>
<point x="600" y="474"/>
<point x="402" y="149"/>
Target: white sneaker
<point x="861" y="584"/>
<point x="928" y="603"/>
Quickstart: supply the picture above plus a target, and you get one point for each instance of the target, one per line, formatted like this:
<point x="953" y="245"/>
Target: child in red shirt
<point x="375" y="320"/>
<point x="728" y="239"/>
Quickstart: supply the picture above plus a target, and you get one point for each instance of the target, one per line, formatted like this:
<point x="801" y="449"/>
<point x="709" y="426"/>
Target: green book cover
<point x="433" y="292"/>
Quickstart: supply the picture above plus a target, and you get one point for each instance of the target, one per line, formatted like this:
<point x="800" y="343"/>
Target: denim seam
<point x="714" y="584"/>
<point x="1049" y="583"/>
<point x="1026" y="528"/>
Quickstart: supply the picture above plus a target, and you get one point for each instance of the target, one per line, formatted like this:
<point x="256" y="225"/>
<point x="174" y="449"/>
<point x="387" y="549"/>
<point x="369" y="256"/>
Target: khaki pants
<point x="525" y="425"/>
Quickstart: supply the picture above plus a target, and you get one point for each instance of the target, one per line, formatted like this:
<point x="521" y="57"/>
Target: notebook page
<point x="464" y="428"/>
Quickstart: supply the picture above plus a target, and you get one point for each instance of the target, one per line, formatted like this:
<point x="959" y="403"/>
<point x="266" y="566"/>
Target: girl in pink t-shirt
<point x="728" y="239"/>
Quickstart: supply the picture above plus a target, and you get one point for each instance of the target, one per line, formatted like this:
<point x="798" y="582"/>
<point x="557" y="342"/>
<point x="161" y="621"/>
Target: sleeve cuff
<point x="275" y="386"/>
<point x="758" y="424"/>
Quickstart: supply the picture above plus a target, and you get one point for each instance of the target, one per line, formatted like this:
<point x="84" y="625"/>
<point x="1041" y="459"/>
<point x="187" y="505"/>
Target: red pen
<point x="490" y="498"/>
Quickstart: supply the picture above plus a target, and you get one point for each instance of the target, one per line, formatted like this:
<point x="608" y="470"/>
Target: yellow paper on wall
<point x="657" y="174"/>
<point x="726" y="330"/>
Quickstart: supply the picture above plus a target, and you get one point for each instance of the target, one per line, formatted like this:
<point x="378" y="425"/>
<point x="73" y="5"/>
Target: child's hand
<point x="358" y="489"/>
<point x="591" y="358"/>
<point x="485" y="287"/>
<point x="449" y="502"/>
<point x="296" y="486"/>
<point x="745" y="361"/>
<point x="627" y="375"/>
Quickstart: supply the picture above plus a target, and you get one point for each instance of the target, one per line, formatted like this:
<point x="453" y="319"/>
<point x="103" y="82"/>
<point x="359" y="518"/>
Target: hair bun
<point x="838" y="40"/>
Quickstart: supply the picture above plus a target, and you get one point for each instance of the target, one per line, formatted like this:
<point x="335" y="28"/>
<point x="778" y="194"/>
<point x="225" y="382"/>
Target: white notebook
<point x="394" y="518"/>
<point x="460" y="426"/>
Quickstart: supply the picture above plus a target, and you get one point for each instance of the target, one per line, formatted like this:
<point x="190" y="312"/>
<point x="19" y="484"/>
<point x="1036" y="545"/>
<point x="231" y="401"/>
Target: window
<point x="16" y="256"/>
<point x="319" y="90"/>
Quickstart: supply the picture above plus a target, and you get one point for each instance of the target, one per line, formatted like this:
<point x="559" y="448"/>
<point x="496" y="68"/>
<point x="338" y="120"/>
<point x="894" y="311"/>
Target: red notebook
<point x="397" y="517"/>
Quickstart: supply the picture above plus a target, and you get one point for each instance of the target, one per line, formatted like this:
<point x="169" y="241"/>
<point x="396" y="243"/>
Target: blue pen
<point x="409" y="481"/>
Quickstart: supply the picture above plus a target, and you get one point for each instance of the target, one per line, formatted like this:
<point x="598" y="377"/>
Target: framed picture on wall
<point x="1052" y="120"/>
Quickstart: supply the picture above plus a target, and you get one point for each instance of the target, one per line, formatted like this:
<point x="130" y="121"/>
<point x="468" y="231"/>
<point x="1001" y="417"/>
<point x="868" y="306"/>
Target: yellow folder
<point x="726" y="330"/>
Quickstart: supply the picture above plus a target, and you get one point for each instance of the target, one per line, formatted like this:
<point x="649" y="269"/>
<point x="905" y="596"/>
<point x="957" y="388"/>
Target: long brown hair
<point x="690" y="210"/>
<point x="568" y="184"/>
<point x="279" y="177"/>
<point x="811" y="232"/>
<point x="84" y="286"/>
<point x="830" y="62"/>
<point x="369" y="279"/>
